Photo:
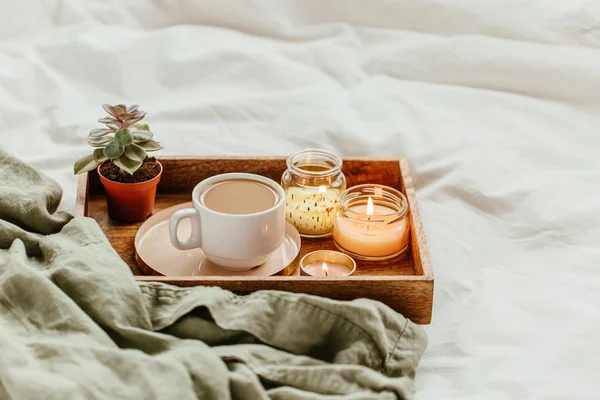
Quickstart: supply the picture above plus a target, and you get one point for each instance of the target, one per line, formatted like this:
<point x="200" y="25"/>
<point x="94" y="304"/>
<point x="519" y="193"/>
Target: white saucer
<point x="156" y="255"/>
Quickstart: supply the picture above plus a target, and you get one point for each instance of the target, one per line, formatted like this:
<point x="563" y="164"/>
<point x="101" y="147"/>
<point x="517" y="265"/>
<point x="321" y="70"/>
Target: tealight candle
<point x="327" y="263"/>
<point x="372" y="222"/>
<point x="313" y="183"/>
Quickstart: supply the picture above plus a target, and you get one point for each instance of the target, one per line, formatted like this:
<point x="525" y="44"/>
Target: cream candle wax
<point x="312" y="209"/>
<point x="372" y="222"/>
<point x="324" y="269"/>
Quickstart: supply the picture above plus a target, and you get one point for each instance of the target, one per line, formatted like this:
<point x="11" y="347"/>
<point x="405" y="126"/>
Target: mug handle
<point x="194" y="240"/>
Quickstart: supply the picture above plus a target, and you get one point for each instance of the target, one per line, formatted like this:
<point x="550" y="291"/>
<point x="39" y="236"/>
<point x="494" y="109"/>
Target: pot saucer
<point x="156" y="255"/>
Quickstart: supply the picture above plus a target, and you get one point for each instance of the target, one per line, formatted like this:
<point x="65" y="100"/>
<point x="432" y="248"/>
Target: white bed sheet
<point x="496" y="104"/>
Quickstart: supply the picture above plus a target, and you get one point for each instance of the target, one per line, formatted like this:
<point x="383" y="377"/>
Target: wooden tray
<point x="404" y="283"/>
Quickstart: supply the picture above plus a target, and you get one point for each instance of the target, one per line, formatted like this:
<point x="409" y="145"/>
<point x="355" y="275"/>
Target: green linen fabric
<point x="74" y="324"/>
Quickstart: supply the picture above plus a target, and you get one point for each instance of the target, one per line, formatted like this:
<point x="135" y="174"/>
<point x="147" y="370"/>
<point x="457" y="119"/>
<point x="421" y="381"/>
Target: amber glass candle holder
<point x="372" y="222"/>
<point x="313" y="183"/>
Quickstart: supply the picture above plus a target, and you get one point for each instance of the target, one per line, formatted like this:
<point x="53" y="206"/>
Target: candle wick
<point x="326" y="273"/>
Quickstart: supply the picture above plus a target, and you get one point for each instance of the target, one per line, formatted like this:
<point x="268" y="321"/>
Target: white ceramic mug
<point x="233" y="241"/>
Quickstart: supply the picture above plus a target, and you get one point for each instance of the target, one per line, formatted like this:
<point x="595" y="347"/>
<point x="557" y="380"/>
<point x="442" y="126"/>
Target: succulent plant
<point x="124" y="140"/>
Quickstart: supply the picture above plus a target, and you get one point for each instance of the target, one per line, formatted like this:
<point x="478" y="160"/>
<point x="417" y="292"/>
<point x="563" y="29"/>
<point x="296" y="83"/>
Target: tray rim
<point x="420" y="254"/>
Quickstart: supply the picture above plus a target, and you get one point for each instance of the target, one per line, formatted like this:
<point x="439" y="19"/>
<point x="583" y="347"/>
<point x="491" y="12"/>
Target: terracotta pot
<point x="130" y="202"/>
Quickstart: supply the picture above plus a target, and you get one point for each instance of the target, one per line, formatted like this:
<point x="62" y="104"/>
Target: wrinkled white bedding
<point x="495" y="103"/>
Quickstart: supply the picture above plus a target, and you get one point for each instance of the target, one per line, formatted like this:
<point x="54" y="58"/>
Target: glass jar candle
<point x="313" y="183"/>
<point x="372" y="222"/>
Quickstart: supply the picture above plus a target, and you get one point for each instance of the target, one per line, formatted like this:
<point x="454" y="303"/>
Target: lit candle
<point x="326" y="269"/>
<point x="327" y="263"/>
<point x="375" y="229"/>
<point x="312" y="209"/>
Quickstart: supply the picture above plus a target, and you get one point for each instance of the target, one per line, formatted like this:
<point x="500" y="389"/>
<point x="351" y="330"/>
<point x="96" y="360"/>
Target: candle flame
<point x="322" y="189"/>
<point x="370" y="206"/>
<point x="325" y="269"/>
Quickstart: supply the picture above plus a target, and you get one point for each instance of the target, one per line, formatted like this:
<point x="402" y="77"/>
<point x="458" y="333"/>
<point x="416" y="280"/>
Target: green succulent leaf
<point x="124" y="137"/>
<point x="100" y="132"/>
<point x="99" y="155"/>
<point x="135" y="152"/>
<point x="142" y="136"/>
<point x="113" y="150"/>
<point x="142" y="127"/>
<point x="85" y="164"/>
<point x="126" y="164"/>
<point x="99" y="141"/>
<point x="150" y="145"/>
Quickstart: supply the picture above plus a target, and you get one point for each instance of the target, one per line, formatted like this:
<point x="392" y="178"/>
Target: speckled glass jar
<point x="313" y="183"/>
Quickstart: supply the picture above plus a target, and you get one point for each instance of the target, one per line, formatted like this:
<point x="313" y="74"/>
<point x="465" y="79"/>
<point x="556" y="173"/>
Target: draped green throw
<point x="74" y="324"/>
